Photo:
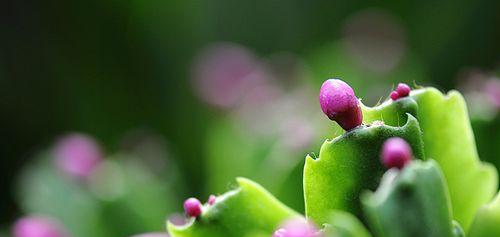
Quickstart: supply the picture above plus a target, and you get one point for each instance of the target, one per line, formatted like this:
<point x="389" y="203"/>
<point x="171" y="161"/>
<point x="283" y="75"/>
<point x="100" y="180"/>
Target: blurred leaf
<point x="42" y="189"/>
<point x="141" y="202"/>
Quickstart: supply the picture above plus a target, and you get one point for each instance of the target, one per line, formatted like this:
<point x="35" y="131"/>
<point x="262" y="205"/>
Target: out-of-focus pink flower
<point x="77" y="155"/>
<point x="376" y="39"/>
<point x="481" y="91"/>
<point x="223" y="73"/>
<point x="298" y="133"/>
<point x="297" y="228"/>
<point x="492" y="89"/>
<point x="258" y="110"/>
<point x="38" y="226"/>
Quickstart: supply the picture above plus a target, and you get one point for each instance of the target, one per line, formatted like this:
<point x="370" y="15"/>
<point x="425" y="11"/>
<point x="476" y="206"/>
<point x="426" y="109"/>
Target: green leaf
<point x="448" y="139"/>
<point x="247" y="210"/>
<point x="349" y="164"/>
<point x="487" y="220"/>
<point x="344" y="224"/>
<point x="413" y="202"/>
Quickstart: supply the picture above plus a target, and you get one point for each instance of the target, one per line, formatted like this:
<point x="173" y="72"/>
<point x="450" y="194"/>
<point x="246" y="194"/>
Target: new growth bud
<point x="211" y="200"/>
<point x="402" y="90"/>
<point x="396" y="153"/>
<point x="192" y="207"/>
<point x="394" y="95"/>
<point x="339" y="103"/>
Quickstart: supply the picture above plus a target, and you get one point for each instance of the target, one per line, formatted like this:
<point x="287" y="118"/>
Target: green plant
<point x="444" y="191"/>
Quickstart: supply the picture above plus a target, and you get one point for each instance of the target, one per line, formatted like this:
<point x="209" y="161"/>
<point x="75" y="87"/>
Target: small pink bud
<point x="192" y="207"/>
<point x="38" y="226"/>
<point x="297" y="228"/>
<point x="394" y="95"/>
<point x="339" y="103"/>
<point x="77" y="155"/>
<point x="403" y="90"/>
<point x="211" y="199"/>
<point x="396" y="153"/>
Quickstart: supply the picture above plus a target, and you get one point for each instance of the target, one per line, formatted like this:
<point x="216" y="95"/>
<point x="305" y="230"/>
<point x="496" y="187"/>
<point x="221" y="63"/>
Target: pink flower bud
<point x="394" y="95"/>
<point x="38" y="226"/>
<point x="403" y="90"/>
<point x="192" y="207"/>
<point x="77" y="155"/>
<point x="396" y="153"/>
<point x="339" y="103"/>
<point x="211" y="199"/>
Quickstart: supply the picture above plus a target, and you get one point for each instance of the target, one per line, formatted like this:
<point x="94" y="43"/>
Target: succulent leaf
<point x="349" y="164"/>
<point x="487" y="220"/>
<point x="344" y="224"/>
<point x="448" y="138"/>
<point x="410" y="202"/>
<point x="246" y="210"/>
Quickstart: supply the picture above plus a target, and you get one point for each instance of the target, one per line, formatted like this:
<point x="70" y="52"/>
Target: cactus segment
<point x="448" y="139"/>
<point x="410" y="202"/>
<point x="487" y="221"/>
<point x="239" y="212"/>
<point x="349" y="164"/>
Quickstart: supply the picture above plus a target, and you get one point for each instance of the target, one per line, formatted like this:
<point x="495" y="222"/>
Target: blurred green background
<point x="107" y="67"/>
